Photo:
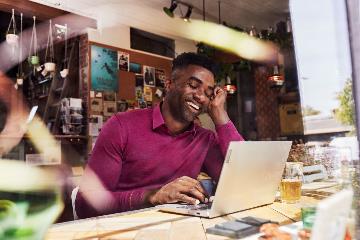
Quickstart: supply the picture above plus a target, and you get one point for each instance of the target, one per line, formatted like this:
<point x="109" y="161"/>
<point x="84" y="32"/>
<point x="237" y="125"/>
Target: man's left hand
<point x="216" y="108"/>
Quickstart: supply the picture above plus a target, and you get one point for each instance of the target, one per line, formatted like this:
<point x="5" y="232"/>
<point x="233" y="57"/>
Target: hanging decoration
<point x="229" y="87"/>
<point x="11" y="36"/>
<point x="33" y="50"/>
<point x="65" y="70"/>
<point x="49" y="53"/>
<point x="20" y="74"/>
<point x="276" y="79"/>
<point x="253" y="32"/>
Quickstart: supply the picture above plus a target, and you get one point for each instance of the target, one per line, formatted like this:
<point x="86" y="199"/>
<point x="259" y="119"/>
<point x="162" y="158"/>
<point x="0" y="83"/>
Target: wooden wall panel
<point x="126" y="85"/>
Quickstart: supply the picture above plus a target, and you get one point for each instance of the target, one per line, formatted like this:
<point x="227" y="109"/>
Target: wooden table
<point x="154" y="224"/>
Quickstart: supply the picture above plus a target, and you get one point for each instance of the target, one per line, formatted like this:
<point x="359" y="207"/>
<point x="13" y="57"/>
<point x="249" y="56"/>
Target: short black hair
<point x="189" y="58"/>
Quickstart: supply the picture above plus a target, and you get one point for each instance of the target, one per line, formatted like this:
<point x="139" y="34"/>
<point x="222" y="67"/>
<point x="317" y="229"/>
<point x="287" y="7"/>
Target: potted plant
<point x="33" y="50"/>
<point x="11" y="36"/>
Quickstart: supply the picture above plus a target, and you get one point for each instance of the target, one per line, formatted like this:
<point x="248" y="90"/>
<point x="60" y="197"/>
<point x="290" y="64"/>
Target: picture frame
<point x="135" y="67"/>
<point x="149" y="76"/>
<point x="104" y="69"/>
<point x="123" y="61"/>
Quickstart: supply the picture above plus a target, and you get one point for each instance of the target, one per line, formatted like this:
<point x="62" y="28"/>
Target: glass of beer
<point x="290" y="187"/>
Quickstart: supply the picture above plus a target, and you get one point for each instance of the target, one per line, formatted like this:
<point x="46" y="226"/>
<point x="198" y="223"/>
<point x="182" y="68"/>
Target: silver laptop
<point x="249" y="178"/>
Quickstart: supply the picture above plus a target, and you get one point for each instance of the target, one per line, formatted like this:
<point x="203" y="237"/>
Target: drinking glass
<point x="30" y="200"/>
<point x="290" y="187"/>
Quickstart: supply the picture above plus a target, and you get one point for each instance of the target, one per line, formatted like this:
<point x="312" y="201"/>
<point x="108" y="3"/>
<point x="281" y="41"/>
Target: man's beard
<point x="179" y="108"/>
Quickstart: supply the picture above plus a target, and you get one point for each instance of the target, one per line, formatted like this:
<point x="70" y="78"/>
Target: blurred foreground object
<point x="30" y="200"/>
<point x="14" y="117"/>
<point x="225" y="38"/>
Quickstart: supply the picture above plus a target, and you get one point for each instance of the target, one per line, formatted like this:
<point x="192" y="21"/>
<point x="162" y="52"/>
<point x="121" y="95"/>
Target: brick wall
<point x="267" y="110"/>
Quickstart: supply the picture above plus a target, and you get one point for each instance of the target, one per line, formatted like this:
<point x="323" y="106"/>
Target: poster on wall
<point x="149" y="76"/>
<point x="135" y="67"/>
<point x="139" y="80"/>
<point x="160" y="78"/>
<point x="147" y="93"/>
<point x="109" y="108"/>
<point x="139" y="91"/>
<point x="109" y="96"/>
<point x="122" y="106"/>
<point x="123" y="60"/>
<point x="104" y="69"/>
<point x="96" y="102"/>
<point x="95" y="124"/>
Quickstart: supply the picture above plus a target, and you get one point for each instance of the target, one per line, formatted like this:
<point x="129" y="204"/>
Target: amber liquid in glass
<point x="290" y="190"/>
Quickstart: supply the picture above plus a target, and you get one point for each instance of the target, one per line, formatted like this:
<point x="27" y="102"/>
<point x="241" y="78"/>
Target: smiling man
<point x="152" y="156"/>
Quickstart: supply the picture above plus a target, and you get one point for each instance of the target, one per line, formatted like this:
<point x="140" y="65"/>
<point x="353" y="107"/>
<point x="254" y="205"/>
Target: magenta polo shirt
<point x="135" y="152"/>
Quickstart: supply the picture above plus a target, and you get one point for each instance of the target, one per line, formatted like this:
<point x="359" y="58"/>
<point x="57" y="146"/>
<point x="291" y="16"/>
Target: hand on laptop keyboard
<point x="183" y="189"/>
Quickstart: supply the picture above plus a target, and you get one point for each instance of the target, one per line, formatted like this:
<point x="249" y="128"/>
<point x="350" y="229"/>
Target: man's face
<point x="190" y="93"/>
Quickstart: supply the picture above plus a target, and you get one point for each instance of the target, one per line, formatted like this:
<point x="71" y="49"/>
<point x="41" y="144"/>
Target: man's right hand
<point x="183" y="189"/>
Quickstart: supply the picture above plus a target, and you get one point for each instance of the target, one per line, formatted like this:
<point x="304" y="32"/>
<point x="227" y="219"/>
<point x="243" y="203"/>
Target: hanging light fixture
<point x="170" y="11"/>
<point x="276" y="79"/>
<point x="229" y="87"/>
<point x="186" y="18"/>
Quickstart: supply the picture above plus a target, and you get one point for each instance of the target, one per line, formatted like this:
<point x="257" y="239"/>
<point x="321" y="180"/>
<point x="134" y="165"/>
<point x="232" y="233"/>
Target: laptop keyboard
<point x="201" y="206"/>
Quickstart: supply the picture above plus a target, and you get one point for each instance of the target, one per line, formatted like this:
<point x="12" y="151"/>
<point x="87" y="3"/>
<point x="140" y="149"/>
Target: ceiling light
<point x="188" y="14"/>
<point x="170" y="11"/>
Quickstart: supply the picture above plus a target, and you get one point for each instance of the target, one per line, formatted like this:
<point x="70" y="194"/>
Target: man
<point x="152" y="156"/>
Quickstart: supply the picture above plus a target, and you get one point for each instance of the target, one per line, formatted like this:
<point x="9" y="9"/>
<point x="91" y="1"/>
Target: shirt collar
<point x="158" y="120"/>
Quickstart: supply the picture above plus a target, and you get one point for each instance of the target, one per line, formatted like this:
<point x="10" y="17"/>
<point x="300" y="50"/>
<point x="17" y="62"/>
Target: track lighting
<point x="186" y="18"/>
<point x="170" y="11"/>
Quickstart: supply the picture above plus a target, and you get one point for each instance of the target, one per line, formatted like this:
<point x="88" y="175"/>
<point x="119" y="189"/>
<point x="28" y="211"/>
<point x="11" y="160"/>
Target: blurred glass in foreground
<point x="30" y="200"/>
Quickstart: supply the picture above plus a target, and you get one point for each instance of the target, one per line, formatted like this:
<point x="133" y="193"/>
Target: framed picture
<point x="109" y="108"/>
<point x="109" y="96"/>
<point x="148" y="94"/>
<point x="139" y="92"/>
<point x="139" y="80"/>
<point x="96" y="105"/>
<point x="123" y="60"/>
<point x="104" y="69"/>
<point x="160" y="78"/>
<point x="149" y="76"/>
<point x="135" y="67"/>
<point x="122" y="106"/>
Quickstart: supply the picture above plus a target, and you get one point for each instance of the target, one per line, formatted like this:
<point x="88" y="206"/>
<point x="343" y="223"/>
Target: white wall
<point x="119" y="36"/>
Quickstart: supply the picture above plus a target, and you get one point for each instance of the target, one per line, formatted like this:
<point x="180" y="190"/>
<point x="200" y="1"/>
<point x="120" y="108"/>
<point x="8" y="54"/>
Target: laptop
<point x="249" y="178"/>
